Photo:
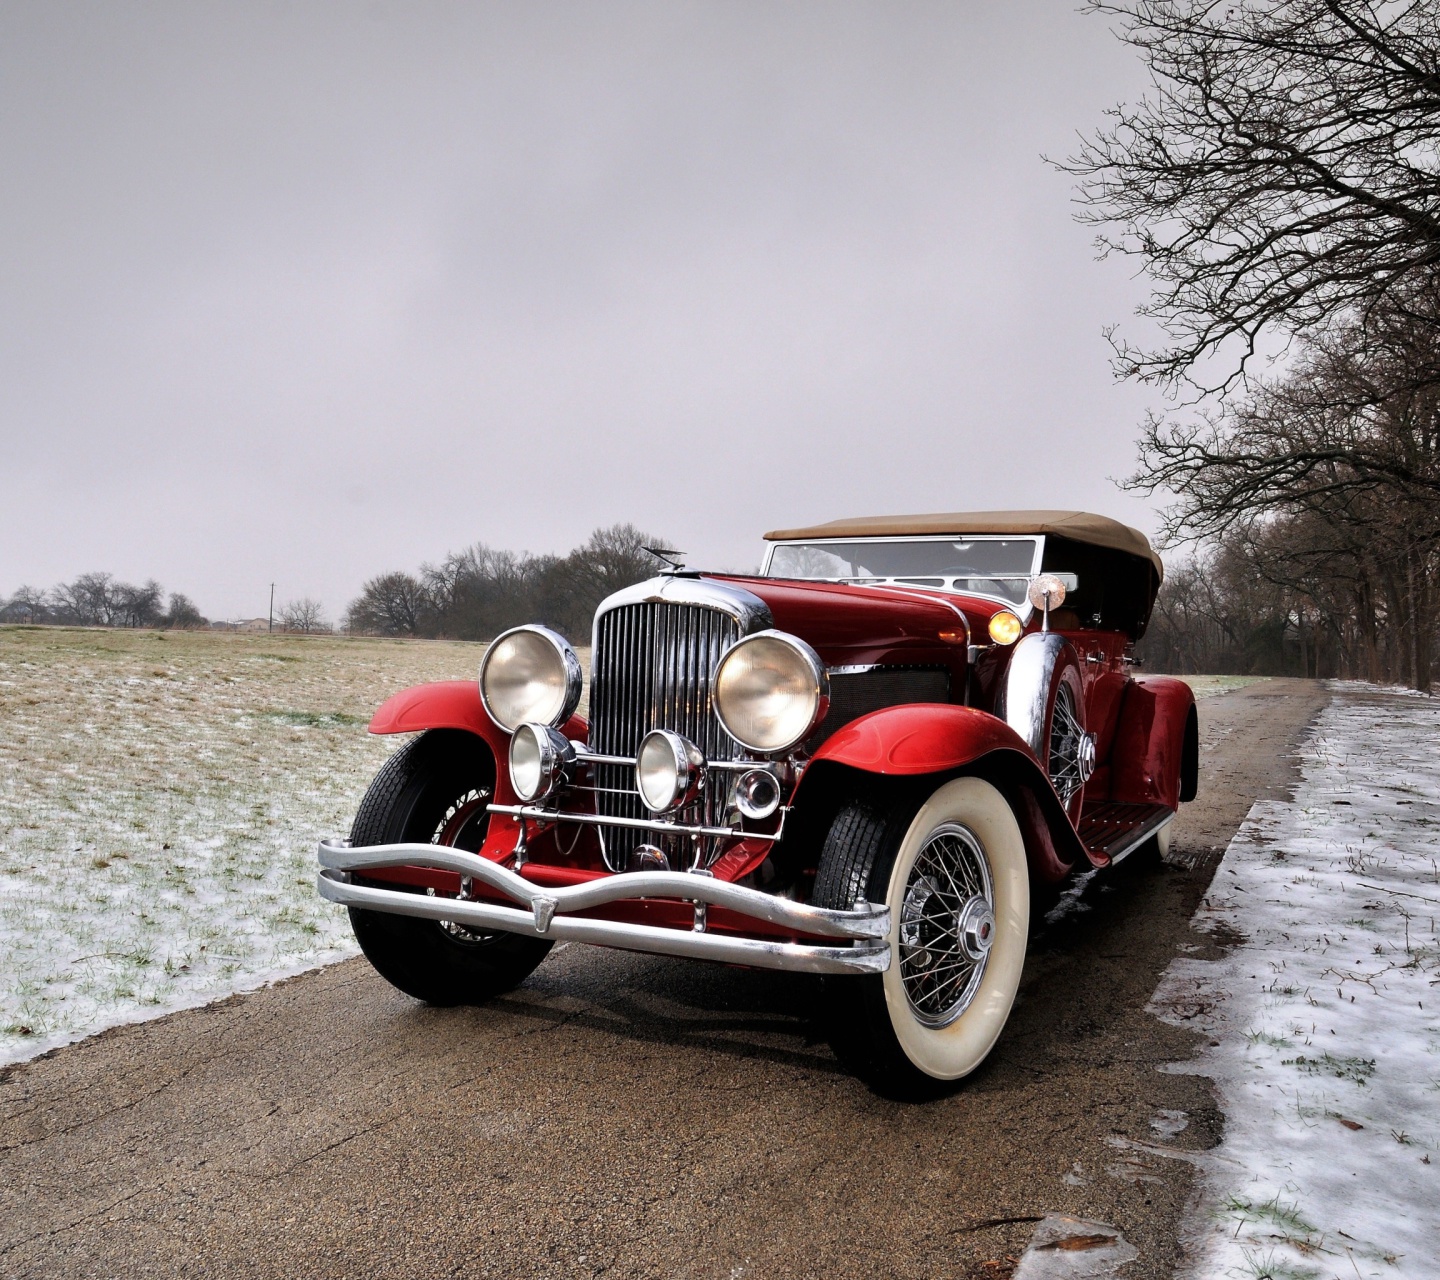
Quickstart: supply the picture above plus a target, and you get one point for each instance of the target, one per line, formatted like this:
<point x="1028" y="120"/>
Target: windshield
<point x="1000" y="568"/>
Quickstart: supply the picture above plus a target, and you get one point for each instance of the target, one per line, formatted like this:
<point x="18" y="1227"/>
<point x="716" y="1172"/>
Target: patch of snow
<point x="160" y="800"/>
<point x="1324" y="1016"/>
<point x="1209" y="686"/>
<point x="1168" y="1123"/>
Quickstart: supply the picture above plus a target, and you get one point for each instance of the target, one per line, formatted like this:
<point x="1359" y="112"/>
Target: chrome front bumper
<point x="545" y="911"/>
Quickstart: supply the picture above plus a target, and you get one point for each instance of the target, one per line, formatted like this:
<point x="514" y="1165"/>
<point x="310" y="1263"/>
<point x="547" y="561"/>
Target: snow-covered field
<point x="160" y="799"/>
<point x="1325" y="1014"/>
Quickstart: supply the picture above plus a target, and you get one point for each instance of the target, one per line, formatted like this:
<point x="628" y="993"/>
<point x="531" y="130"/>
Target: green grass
<point x="316" y="719"/>
<point x="1358" y="1070"/>
<point x="1209" y="686"/>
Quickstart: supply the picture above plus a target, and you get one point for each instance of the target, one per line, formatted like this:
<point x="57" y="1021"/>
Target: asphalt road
<point x="633" y="1116"/>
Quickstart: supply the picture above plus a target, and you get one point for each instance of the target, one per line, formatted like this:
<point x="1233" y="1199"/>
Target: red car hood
<point x="857" y="625"/>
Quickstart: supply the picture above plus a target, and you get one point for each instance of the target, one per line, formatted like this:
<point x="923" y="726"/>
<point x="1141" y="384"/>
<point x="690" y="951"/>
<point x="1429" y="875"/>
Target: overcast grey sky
<point x="306" y="291"/>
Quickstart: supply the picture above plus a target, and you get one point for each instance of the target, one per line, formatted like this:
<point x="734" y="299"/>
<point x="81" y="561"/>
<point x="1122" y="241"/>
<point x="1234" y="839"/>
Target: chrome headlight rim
<point x="816" y="675"/>
<point x="685" y="763"/>
<point x="547" y="752"/>
<point x="570" y="678"/>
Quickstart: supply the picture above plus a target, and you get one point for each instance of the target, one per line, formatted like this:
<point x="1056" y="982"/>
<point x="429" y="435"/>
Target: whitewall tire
<point x="952" y="869"/>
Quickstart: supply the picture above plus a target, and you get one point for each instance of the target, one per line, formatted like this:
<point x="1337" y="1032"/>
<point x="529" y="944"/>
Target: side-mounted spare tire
<point x="952" y="869"/>
<point x="1043" y="700"/>
<point x="434" y="790"/>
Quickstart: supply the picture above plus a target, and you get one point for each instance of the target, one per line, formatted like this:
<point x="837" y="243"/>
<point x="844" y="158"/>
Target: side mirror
<point x="1049" y="590"/>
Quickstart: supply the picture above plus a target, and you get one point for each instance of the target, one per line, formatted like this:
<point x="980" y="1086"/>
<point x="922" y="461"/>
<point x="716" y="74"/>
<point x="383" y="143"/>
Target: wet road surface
<point x="627" y="1115"/>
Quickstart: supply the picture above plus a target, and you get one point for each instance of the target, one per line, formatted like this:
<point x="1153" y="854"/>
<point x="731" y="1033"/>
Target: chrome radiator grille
<point x="651" y="669"/>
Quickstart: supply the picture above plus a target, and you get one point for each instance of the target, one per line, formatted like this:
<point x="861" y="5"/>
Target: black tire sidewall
<point x="404" y="804"/>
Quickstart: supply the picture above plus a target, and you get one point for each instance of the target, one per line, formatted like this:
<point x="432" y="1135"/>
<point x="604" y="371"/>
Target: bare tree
<point x="304" y="615"/>
<point x="1341" y="454"/>
<point x="182" y="614"/>
<point x="1283" y="177"/>
<point x="476" y="593"/>
<point x="1281" y="174"/>
<point x="394" y="604"/>
<point x="89" y="601"/>
<point x="612" y="558"/>
<point x="132" y="606"/>
<point x="28" y="604"/>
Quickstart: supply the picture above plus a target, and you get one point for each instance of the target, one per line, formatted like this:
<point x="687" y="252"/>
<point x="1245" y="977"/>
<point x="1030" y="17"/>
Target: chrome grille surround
<point x="654" y="652"/>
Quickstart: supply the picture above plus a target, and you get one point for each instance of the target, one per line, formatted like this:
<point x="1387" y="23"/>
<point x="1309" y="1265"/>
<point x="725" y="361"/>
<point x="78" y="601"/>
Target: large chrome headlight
<point x="530" y="674"/>
<point x="770" y="691"/>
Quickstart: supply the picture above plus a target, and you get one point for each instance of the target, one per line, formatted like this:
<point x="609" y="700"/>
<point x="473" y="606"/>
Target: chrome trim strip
<point x="536" y="814"/>
<point x="1141" y="834"/>
<point x="583" y="755"/>
<point x="747" y="610"/>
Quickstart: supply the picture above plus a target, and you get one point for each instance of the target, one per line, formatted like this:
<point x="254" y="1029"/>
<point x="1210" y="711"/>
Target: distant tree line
<point x="99" y="600"/>
<point x="1276" y="600"/>
<point x="476" y="593"/>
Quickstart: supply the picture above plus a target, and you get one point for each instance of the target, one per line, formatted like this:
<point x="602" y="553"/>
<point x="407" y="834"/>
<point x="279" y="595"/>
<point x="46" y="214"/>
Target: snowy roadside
<point x="1324" y="1014"/>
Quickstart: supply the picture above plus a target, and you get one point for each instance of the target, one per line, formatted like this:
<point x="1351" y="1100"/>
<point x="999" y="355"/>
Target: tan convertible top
<point x="1081" y="526"/>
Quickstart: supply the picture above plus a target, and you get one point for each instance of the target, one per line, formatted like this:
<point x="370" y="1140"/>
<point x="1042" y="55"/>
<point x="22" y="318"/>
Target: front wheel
<point x="434" y="791"/>
<point x="955" y="878"/>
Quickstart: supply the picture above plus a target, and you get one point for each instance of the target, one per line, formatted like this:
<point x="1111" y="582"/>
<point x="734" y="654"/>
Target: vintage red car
<point x="875" y="761"/>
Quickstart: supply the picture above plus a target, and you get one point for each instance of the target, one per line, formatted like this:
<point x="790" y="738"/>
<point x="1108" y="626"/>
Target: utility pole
<point x="272" y="606"/>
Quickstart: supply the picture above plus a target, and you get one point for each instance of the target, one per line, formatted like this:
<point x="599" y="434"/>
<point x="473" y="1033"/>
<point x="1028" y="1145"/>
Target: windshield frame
<point x="1024" y="609"/>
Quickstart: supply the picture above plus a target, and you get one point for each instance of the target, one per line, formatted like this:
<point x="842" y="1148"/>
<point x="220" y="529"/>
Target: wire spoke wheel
<point x="946" y="925"/>
<point x="1068" y="741"/>
<point x="951" y="868"/>
<point x="463" y="826"/>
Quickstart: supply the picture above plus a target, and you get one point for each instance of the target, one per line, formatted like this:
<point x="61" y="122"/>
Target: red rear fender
<point x="1156" y="748"/>
<point x="939" y="739"/>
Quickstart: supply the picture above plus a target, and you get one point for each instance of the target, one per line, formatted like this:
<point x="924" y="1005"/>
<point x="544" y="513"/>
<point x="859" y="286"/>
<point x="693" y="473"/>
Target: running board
<point x="1115" y="830"/>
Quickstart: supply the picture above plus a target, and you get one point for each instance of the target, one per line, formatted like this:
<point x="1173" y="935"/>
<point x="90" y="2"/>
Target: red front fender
<point x="455" y="704"/>
<point x="936" y="738"/>
<point x="920" y="738"/>
<point x="452" y="704"/>
<point x="447" y="704"/>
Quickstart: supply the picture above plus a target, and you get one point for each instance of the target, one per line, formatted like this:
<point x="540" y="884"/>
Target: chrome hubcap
<point x="947" y="925"/>
<point x="977" y="928"/>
